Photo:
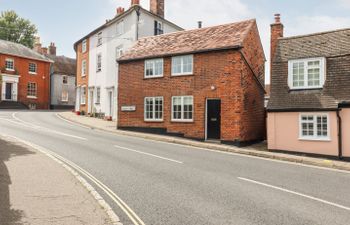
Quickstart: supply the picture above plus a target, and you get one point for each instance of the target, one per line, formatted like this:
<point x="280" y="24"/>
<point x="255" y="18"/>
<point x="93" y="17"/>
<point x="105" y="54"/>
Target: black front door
<point x="8" y="91"/>
<point x="213" y="119"/>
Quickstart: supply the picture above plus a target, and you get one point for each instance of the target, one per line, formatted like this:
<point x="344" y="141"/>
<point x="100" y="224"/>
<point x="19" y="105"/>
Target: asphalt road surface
<point x="148" y="182"/>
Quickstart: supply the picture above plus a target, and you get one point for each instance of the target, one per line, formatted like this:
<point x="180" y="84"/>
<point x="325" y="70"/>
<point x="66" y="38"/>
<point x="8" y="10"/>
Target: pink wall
<point x="345" y="115"/>
<point x="283" y="134"/>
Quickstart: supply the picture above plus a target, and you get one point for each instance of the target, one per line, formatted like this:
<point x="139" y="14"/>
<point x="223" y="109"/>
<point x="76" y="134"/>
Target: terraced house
<point x="24" y="77"/>
<point x="309" y="107"/>
<point x="205" y="84"/>
<point x="97" y="52"/>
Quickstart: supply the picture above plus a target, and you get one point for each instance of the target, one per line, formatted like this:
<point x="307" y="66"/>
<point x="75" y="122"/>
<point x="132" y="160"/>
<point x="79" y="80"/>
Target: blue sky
<point x="64" y="22"/>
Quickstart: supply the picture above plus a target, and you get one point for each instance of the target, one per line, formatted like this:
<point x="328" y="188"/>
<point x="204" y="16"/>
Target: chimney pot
<point x="277" y="18"/>
<point x="200" y="23"/>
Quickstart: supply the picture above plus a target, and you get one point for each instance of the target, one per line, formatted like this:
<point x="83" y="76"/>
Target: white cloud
<point x="344" y="3"/>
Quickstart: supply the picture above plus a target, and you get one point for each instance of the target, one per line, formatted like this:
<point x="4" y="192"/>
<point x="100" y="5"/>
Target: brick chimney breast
<point x="135" y="2"/>
<point x="277" y="30"/>
<point x="157" y="7"/>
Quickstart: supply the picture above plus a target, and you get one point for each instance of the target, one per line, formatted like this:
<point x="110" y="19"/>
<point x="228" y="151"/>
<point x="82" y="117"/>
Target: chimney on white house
<point x="120" y="10"/>
<point x="157" y="7"/>
<point x="135" y="2"/>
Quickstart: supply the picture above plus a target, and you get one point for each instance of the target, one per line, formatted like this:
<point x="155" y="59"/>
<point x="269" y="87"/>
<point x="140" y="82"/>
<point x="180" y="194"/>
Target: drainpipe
<point x="340" y="136"/>
<point x="138" y="13"/>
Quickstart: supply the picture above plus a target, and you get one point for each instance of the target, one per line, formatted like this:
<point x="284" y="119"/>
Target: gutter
<point x="340" y="136"/>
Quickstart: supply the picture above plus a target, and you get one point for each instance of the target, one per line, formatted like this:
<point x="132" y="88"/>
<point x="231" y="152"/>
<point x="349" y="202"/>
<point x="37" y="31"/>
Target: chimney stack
<point x="44" y="51"/>
<point x="37" y="45"/>
<point x="120" y="10"/>
<point x="200" y="24"/>
<point x="157" y="7"/>
<point x="277" y="29"/>
<point x="52" y="49"/>
<point x="135" y="2"/>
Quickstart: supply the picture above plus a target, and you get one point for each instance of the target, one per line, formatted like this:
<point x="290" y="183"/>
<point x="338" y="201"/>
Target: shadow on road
<point x="8" y="150"/>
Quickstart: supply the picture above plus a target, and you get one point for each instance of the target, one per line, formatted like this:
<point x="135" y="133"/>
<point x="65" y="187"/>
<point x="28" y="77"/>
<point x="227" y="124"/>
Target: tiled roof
<point x="326" y="44"/>
<point x="11" y="48"/>
<point x="335" y="47"/>
<point x="63" y="65"/>
<point x="185" y="42"/>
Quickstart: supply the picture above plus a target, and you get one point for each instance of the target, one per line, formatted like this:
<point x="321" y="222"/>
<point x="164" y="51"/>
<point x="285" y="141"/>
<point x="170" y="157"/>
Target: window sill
<point x="305" y="88"/>
<point x="83" y="75"/>
<point x="32" y="73"/>
<point x="182" y="121"/>
<point x="154" y="121"/>
<point x="32" y="97"/>
<point x="11" y="70"/>
<point x="153" y="77"/>
<point x="182" y="74"/>
<point x="82" y="103"/>
<point x="315" y="139"/>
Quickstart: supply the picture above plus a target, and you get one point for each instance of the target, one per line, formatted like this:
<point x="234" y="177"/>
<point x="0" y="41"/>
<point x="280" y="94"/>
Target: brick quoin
<point x="42" y="80"/>
<point x="238" y="78"/>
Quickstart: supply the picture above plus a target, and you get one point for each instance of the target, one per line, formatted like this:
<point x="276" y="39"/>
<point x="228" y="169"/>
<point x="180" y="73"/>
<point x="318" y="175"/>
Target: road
<point x="153" y="183"/>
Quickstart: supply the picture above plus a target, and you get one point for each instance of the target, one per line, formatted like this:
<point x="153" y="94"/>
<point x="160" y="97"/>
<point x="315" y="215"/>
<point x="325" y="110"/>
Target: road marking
<point x="115" y="198"/>
<point x="73" y="123"/>
<point x="31" y="125"/>
<point x="149" y="154"/>
<point x="295" y="193"/>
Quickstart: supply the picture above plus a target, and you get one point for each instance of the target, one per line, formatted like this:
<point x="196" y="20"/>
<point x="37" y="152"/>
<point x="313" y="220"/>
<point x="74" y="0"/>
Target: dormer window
<point x="306" y="73"/>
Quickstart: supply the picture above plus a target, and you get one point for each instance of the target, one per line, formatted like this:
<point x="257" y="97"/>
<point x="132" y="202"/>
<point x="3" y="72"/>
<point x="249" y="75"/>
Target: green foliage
<point x="16" y="29"/>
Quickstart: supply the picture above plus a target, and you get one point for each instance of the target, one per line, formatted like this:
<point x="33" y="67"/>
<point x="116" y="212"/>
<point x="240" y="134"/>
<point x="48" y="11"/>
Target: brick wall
<point x="42" y="80"/>
<point x="242" y="101"/>
<point x="83" y="80"/>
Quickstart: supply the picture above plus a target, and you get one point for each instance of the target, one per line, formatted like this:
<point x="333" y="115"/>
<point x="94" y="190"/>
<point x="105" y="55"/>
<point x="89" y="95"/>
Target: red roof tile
<point x="185" y="42"/>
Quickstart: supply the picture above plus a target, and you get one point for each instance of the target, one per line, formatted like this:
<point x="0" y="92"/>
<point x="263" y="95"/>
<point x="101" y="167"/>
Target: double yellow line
<point x="126" y="209"/>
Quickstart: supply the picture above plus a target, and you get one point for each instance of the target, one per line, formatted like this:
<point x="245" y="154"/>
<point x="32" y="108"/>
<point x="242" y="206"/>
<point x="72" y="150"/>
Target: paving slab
<point x="35" y="189"/>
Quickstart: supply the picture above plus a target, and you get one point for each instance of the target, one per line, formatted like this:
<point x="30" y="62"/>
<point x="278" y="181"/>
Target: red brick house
<point x="24" y="77"/>
<point x="202" y="84"/>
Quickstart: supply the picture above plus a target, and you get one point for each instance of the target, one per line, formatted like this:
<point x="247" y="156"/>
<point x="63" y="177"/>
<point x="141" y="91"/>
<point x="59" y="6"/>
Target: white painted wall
<point x="107" y="79"/>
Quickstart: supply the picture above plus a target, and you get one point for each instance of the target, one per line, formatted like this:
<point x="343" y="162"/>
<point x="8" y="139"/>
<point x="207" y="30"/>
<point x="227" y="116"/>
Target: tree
<point x="16" y="29"/>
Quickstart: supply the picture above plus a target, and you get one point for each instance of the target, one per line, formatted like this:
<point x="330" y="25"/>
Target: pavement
<point x="35" y="189"/>
<point x="149" y="182"/>
<point x="259" y="150"/>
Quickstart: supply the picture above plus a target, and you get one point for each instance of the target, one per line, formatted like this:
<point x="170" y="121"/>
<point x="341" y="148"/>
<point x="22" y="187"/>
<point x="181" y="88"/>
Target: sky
<point x="66" y="21"/>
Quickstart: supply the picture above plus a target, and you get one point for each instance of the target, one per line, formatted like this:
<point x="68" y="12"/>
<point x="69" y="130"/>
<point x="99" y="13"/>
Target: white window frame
<point x="98" y="95"/>
<point x="182" y="109"/>
<point x="118" y="52"/>
<point x="83" y="68"/>
<point x="315" y="137"/>
<point x="306" y="61"/>
<point x="84" y="46"/>
<point x="31" y="95"/>
<point x="154" y="111"/>
<point x="99" y="39"/>
<point x="99" y="63"/>
<point x="83" y="95"/>
<point x="182" y="65"/>
<point x="63" y="79"/>
<point x="153" y="62"/>
<point x="120" y="29"/>
<point x="12" y="61"/>
<point x="64" y="98"/>
<point x="35" y="68"/>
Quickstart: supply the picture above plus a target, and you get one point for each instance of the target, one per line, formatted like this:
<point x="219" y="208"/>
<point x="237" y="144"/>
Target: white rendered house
<point x="105" y="45"/>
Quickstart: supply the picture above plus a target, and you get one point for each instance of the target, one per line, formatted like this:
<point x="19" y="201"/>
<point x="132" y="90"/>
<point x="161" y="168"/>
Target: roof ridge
<point x="196" y="29"/>
<point x="314" y="34"/>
